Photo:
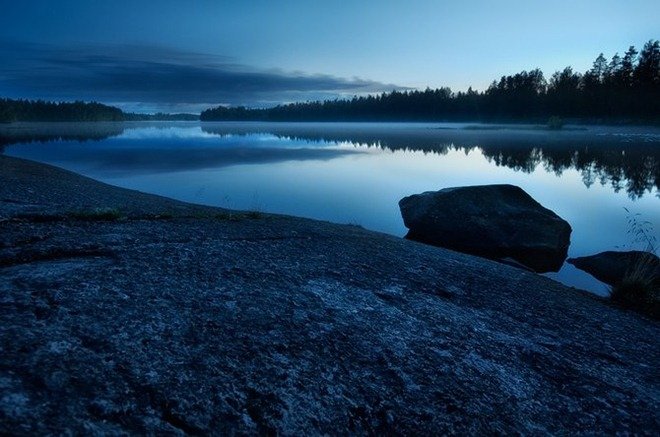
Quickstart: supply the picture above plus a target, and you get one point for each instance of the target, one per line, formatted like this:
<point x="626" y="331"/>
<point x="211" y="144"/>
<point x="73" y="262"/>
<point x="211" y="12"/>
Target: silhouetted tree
<point x="647" y="72"/>
<point x="628" y="67"/>
<point x="613" y="72"/>
<point x="564" y="92"/>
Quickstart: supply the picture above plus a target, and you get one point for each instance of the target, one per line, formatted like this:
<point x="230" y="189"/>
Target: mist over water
<point x="357" y="172"/>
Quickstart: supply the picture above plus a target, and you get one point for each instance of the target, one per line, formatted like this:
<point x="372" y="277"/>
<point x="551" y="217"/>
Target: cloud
<point x="146" y="77"/>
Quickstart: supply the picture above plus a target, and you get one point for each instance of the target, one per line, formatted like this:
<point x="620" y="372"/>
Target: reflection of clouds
<point x="132" y="158"/>
<point x="165" y="132"/>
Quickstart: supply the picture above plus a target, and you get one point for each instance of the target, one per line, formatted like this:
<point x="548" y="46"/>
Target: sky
<point x="186" y="55"/>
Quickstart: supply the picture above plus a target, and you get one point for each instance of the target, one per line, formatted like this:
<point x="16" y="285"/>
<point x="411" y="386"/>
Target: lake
<point x="356" y="172"/>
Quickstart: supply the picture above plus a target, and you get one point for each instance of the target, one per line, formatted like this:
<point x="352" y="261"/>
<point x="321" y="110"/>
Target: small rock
<point x="611" y="267"/>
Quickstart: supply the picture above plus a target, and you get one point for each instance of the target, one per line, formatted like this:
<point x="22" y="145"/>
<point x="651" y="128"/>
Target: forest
<point x="39" y="110"/>
<point x="622" y="89"/>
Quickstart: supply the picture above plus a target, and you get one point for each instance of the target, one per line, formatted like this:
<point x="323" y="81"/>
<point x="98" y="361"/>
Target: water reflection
<point x="153" y="148"/>
<point x="627" y="161"/>
<point x="356" y="173"/>
<point x="17" y="133"/>
<point x="140" y="160"/>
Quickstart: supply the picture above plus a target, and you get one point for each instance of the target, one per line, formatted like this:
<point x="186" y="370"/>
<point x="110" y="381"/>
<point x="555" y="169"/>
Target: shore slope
<point x="127" y="312"/>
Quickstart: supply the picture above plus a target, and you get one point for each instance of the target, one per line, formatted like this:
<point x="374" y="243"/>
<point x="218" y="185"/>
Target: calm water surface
<point x="357" y="172"/>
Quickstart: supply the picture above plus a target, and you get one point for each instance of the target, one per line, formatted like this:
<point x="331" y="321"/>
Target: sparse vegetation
<point x="640" y="288"/>
<point x="641" y="232"/>
<point x="224" y="216"/>
<point x="97" y="214"/>
<point x="236" y="216"/>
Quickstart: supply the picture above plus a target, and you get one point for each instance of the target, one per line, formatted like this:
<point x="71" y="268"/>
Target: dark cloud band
<point x="159" y="76"/>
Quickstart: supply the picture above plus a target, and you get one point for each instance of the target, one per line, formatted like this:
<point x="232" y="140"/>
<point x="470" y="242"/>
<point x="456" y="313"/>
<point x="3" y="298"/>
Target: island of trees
<point x="39" y="110"/>
<point x="622" y="89"/>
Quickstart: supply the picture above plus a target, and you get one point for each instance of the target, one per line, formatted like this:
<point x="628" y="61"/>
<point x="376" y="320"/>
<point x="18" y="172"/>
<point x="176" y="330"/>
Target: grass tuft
<point x="225" y="216"/>
<point x="237" y="216"/>
<point x="254" y="214"/>
<point x="639" y="290"/>
<point x="96" y="214"/>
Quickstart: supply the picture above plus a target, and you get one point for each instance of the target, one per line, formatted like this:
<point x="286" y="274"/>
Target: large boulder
<point x="611" y="267"/>
<point x="491" y="221"/>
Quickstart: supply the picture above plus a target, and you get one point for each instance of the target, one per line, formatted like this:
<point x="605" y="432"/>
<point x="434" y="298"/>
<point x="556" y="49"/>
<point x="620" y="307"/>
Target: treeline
<point x="623" y="88"/>
<point x="39" y="110"/>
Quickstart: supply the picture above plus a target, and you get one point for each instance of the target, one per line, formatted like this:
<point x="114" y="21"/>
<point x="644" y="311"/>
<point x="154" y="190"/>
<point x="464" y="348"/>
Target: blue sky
<point x="185" y="55"/>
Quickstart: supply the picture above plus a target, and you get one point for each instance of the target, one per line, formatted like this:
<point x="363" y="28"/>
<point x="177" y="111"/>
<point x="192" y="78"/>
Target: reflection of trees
<point x="636" y="169"/>
<point x="630" y="163"/>
<point x="524" y="160"/>
<point x="48" y="132"/>
<point x="633" y="168"/>
<point x="624" y="164"/>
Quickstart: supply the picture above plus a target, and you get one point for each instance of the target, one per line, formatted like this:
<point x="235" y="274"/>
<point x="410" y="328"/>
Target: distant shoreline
<point x="569" y="124"/>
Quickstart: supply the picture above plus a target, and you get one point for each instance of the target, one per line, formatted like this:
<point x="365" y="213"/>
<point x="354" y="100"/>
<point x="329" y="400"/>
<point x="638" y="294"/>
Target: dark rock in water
<point x="611" y="267"/>
<point x="491" y="221"/>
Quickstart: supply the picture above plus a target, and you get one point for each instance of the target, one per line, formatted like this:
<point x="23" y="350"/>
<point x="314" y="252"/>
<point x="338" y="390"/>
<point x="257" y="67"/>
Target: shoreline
<point x="535" y="124"/>
<point x="145" y="314"/>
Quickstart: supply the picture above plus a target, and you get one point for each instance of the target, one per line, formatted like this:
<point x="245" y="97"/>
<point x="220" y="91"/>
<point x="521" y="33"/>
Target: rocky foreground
<point x="122" y="312"/>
